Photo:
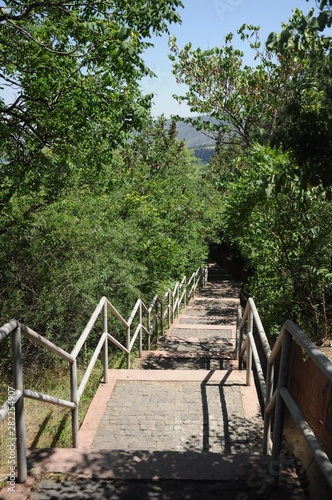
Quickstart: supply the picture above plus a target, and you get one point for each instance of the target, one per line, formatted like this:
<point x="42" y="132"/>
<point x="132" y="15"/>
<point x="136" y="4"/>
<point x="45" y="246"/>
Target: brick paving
<point x="177" y="415"/>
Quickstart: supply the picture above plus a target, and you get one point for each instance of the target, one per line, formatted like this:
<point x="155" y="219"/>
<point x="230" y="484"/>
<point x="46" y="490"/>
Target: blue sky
<point x="205" y="24"/>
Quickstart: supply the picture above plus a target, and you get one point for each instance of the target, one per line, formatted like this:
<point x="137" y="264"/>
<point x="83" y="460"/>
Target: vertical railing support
<point x="249" y="348"/>
<point x="74" y="399"/>
<point x="19" y="407"/>
<point x="105" y="348"/>
<point x="140" y="330"/>
<point x="169" y="306"/>
<point x="162" y="317"/>
<point x="149" y="329"/>
<point x="156" y="319"/>
<point x="128" y="347"/>
<point x="177" y="301"/>
<point x="280" y="405"/>
<point x="238" y="333"/>
<point x="267" y="417"/>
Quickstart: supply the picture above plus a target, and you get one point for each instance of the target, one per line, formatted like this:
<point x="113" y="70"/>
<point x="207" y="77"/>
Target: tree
<point x="284" y="234"/>
<point x="305" y="121"/>
<point x="73" y="71"/>
<point x="283" y="100"/>
<point x="166" y="195"/>
<point x="243" y="101"/>
<point x="272" y="163"/>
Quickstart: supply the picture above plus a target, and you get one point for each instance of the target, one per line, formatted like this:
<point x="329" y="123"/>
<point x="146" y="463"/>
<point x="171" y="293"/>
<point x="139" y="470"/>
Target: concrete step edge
<point x="184" y="355"/>
<point x="233" y="472"/>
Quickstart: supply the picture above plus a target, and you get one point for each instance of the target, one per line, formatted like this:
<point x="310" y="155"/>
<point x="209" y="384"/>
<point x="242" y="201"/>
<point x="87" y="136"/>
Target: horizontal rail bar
<point x="177" y="284"/>
<point x="308" y="434"/>
<point x="243" y="348"/>
<point x="7" y="404"/>
<point x="270" y="407"/>
<point x="144" y="308"/>
<point x="146" y="330"/>
<point x="165" y="313"/>
<point x="277" y="347"/>
<point x="155" y="300"/>
<point x="134" y="337"/>
<point x="79" y="344"/>
<point x="260" y="329"/>
<point x="90" y="366"/>
<point x="245" y="316"/>
<point x="258" y="365"/>
<point x="183" y="281"/>
<point x="116" y="313"/>
<point x="45" y="398"/>
<point x="313" y="352"/>
<point x="192" y="277"/>
<point x="47" y="344"/>
<point x="117" y="343"/>
<point x="182" y="296"/>
<point x="133" y="313"/>
<point x="175" y="306"/>
<point x="8" y="328"/>
<point x="165" y="296"/>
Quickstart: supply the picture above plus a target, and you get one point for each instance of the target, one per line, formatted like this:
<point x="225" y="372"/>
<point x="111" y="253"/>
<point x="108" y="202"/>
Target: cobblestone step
<point x="138" y="475"/>
<point x="204" y="334"/>
<point x="206" y="320"/>
<point x="169" y="360"/>
<point x="222" y="349"/>
<point x="200" y="331"/>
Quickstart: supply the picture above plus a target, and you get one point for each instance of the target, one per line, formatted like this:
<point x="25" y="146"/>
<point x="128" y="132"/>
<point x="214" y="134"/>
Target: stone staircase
<point x="181" y="424"/>
<point x="204" y="334"/>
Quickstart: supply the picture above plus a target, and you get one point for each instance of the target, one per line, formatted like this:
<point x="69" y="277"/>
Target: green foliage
<point x="85" y="212"/>
<point x="126" y="229"/>
<point x="284" y="234"/>
<point x="166" y="196"/>
<point x="72" y="71"/>
<point x="272" y="161"/>
<point x="304" y="124"/>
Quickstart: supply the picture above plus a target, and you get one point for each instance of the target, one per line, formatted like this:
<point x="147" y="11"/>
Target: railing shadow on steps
<point x="150" y="320"/>
<point x="275" y="394"/>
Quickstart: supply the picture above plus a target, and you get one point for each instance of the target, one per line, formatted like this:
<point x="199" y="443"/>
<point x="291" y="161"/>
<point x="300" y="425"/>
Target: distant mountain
<point x="201" y="142"/>
<point x="194" y="138"/>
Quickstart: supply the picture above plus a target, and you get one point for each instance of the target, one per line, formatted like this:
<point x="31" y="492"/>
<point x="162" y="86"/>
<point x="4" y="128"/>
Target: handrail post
<point x="185" y="291"/>
<point x="149" y="329"/>
<point x="240" y="365"/>
<point x="280" y="405"/>
<point x="249" y="348"/>
<point x="19" y="407"/>
<point x="162" y="317"/>
<point x="140" y="330"/>
<point x="238" y="333"/>
<point x="177" y="301"/>
<point x="267" y="417"/>
<point x="105" y="348"/>
<point x="128" y="347"/>
<point x="74" y="399"/>
<point x="169" y="306"/>
<point x="156" y="319"/>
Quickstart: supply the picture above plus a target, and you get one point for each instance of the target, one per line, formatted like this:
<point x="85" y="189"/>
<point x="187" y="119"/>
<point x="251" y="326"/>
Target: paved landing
<point x="177" y="410"/>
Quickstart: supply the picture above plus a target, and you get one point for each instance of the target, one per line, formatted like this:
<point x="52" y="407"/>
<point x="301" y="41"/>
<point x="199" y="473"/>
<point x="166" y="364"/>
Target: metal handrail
<point x="15" y="329"/>
<point x="276" y="400"/>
